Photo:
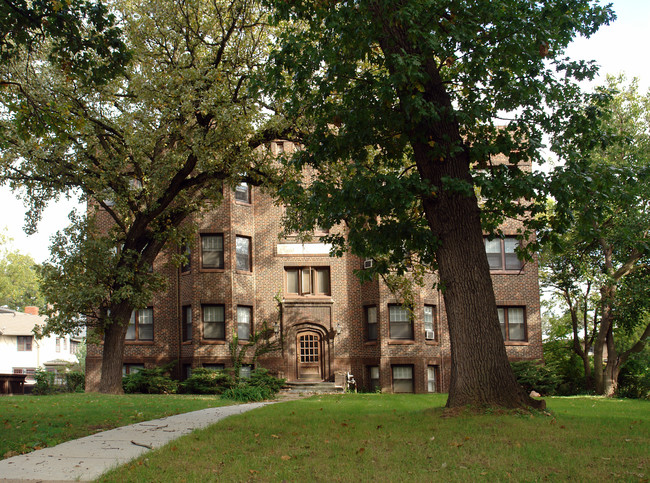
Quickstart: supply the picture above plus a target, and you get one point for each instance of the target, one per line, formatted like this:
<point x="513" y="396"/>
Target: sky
<point x="618" y="48"/>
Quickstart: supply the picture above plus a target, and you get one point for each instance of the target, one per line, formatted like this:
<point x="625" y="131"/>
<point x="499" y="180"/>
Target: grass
<point x="406" y="438"/>
<point x="28" y="423"/>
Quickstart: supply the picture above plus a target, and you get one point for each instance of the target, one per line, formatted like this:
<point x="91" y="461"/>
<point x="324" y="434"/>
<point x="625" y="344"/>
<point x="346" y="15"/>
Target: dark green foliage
<point x="568" y="367"/>
<point x="246" y="393"/>
<point x="535" y="376"/>
<point x="634" y="379"/>
<point x="48" y="383"/>
<point x="206" y="381"/>
<point x="81" y="36"/>
<point x="44" y="383"/>
<point x="75" y="381"/>
<point x="150" y="381"/>
<point x="261" y="378"/>
<point x="260" y="386"/>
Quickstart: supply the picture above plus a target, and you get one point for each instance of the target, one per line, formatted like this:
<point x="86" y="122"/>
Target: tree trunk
<point x="480" y="370"/>
<point x="603" y="373"/>
<point x="609" y="379"/>
<point x="113" y="351"/>
<point x="586" y="364"/>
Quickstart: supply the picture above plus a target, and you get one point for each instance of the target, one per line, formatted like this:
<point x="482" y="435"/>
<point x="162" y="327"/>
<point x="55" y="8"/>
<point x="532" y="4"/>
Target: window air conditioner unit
<point x="367" y="263"/>
<point x="429" y="335"/>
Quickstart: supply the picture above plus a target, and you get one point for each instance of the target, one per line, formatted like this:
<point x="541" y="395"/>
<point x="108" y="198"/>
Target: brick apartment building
<point x="241" y="274"/>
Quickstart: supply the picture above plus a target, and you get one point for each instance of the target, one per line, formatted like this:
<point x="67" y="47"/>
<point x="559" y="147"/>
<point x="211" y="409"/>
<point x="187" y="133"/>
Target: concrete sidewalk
<point x="88" y="458"/>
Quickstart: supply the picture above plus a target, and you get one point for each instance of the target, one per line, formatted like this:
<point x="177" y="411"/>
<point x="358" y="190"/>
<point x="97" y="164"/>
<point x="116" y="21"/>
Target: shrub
<point x="260" y="386"/>
<point x="44" y="383"/>
<point x="534" y="376"/>
<point x="75" y="381"/>
<point x="155" y="380"/>
<point x="261" y="378"/>
<point x="246" y="393"/>
<point x="568" y="367"/>
<point x="634" y="378"/>
<point x="206" y="381"/>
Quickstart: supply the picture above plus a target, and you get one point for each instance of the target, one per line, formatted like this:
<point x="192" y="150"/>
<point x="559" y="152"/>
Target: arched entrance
<point x="309" y="356"/>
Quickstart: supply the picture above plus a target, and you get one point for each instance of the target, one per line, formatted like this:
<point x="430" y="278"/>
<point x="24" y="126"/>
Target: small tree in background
<point x="599" y="265"/>
<point x="19" y="280"/>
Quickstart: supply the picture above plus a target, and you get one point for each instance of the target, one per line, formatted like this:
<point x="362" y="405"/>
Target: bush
<point x="259" y="387"/>
<point x="247" y="393"/>
<point x="150" y="381"/>
<point x="206" y="381"/>
<point x="568" y="367"/>
<point x="261" y="378"/>
<point x="634" y="378"/>
<point x="44" y="383"/>
<point x="75" y="381"/>
<point x="534" y="376"/>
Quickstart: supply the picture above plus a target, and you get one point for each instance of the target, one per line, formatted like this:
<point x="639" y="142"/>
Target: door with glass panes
<point x="309" y="355"/>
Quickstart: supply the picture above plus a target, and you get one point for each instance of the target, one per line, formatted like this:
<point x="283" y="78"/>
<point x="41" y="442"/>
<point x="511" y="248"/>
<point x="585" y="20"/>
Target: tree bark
<point x="113" y="350"/>
<point x="480" y="370"/>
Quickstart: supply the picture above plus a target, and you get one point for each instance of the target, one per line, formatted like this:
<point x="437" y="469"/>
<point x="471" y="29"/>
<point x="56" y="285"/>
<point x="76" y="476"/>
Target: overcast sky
<point x="620" y="47"/>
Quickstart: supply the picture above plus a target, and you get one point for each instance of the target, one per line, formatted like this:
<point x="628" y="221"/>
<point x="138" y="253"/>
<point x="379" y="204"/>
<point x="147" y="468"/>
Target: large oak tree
<point x="147" y="146"/>
<point x="406" y="96"/>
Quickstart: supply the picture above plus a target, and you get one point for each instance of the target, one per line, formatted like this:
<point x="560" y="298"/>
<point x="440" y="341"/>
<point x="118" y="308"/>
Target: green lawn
<point x="33" y="422"/>
<point x="405" y="438"/>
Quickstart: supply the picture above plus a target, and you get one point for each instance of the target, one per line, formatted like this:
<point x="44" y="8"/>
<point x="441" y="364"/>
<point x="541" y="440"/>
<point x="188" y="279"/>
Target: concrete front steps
<point x="309" y="388"/>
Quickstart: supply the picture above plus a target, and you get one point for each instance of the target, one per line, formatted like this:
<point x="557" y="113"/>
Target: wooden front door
<point x="308" y="350"/>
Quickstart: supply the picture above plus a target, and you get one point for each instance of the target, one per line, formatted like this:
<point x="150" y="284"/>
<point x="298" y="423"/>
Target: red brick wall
<point x="339" y="318"/>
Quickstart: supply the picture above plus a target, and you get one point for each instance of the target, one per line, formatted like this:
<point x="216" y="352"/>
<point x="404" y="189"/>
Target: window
<point x="57" y="344"/>
<point x="371" y="323"/>
<point x="501" y="253"/>
<point x="211" y="251"/>
<point x="243" y="193"/>
<point x="187" y="323"/>
<point x="308" y="280"/>
<point x="140" y="325"/>
<point x="187" y="263"/>
<point x="243" y="253"/>
<point x="128" y="369"/>
<point x="513" y="323"/>
<point x="401" y="323"/>
<point x="279" y="147"/>
<point x="402" y="378"/>
<point x="429" y="322"/>
<point x="28" y="371"/>
<point x="58" y="372"/>
<point x="74" y="346"/>
<point x="214" y="367"/>
<point x="245" y="371"/>
<point x="214" y="325"/>
<point x="374" y="378"/>
<point x="243" y="322"/>
<point x="65" y="344"/>
<point x="432" y="385"/>
<point x="25" y="342"/>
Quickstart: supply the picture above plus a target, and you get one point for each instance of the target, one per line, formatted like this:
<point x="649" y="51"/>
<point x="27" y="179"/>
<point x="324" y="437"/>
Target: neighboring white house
<point x="21" y="353"/>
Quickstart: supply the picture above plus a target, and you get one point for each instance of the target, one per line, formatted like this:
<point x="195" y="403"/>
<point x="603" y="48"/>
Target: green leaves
<point x="19" y="280"/>
<point x="147" y="144"/>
